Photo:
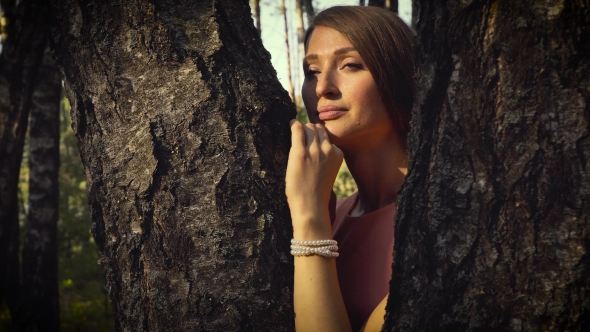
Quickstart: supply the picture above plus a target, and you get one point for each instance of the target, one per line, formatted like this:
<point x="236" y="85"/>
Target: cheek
<point x="310" y="101"/>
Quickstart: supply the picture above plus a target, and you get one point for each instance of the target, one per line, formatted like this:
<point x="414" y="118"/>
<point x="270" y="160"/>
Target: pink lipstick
<point x="330" y="112"/>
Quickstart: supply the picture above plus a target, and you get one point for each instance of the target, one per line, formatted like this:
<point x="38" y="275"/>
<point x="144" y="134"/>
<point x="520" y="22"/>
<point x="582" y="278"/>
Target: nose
<point x="327" y="85"/>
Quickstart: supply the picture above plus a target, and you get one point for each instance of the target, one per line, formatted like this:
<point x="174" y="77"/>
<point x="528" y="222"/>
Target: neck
<point x="379" y="172"/>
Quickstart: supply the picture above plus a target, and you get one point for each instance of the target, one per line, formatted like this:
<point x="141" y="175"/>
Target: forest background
<point x="83" y="300"/>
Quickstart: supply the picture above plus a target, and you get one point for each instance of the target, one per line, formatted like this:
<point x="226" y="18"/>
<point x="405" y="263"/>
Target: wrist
<point x="312" y="228"/>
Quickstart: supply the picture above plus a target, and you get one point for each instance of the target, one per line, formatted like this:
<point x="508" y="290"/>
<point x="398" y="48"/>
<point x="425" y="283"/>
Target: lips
<point x="330" y="112"/>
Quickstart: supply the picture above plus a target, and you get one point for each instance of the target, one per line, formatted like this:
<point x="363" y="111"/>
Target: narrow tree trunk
<point x="288" y="49"/>
<point x="39" y="302"/>
<point x="183" y="132"/>
<point x="257" y="13"/>
<point x="309" y="11"/>
<point x="300" y="43"/>
<point x="387" y="4"/>
<point x="394" y="6"/>
<point x="492" y="227"/>
<point x="21" y="54"/>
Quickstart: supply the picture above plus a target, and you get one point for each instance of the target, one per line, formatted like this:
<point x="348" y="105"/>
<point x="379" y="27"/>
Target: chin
<point x="334" y="135"/>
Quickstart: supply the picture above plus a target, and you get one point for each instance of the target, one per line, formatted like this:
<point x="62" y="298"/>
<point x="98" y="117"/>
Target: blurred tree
<point x="300" y="30"/>
<point x="256" y="5"/>
<point x="309" y="10"/>
<point x="38" y="307"/>
<point x="492" y="231"/>
<point x="183" y="131"/>
<point x="21" y="54"/>
<point x="290" y="88"/>
<point x="392" y="5"/>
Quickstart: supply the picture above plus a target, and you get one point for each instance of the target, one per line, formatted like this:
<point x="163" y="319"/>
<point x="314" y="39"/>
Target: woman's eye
<point x="310" y="72"/>
<point x="353" y="66"/>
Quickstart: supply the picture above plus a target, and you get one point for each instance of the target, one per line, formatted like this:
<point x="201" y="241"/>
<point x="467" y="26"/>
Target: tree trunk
<point x="309" y="11"/>
<point x="492" y="226"/>
<point x="387" y="4"/>
<point x="21" y="54"/>
<point x="39" y="301"/>
<point x="257" y="13"/>
<point x="299" y="9"/>
<point x="183" y="132"/>
<point x="290" y="88"/>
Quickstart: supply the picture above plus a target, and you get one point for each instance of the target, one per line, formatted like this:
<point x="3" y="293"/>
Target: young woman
<point x="358" y="92"/>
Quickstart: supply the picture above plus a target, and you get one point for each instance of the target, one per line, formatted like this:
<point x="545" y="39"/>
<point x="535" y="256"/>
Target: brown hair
<point x="384" y="42"/>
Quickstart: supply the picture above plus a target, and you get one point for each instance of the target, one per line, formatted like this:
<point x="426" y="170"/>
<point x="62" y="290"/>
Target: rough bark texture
<point x="183" y="132"/>
<point x="21" y="54"/>
<point x="494" y="219"/>
<point x="39" y="300"/>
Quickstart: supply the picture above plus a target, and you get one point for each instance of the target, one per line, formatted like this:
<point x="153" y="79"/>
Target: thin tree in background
<point x="257" y="14"/>
<point x="300" y="43"/>
<point x="361" y="2"/>
<point x="22" y="51"/>
<point x="289" y="76"/>
<point x="39" y="300"/>
<point x="387" y="4"/>
<point x="309" y="11"/>
<point x="492" y="229"/>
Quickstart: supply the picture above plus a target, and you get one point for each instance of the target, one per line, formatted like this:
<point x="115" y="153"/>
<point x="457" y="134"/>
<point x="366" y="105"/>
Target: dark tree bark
<point x="21" y="54"/>
<point x="493" y="223"/>
<point x="183" y="132"/>
<point x="39" y="300"/>
<point x="387" y="4"/>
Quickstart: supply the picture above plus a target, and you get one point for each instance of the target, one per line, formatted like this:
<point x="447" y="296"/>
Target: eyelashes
<point x="309" y="72"/>
<point x="350" y="66"/>
<point x="353" y="65"/>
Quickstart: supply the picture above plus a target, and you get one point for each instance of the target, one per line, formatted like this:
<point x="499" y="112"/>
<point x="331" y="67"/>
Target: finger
<point x="297" y="134"/>
<point x="324" y="140"/>
<point x="311" y="136"/>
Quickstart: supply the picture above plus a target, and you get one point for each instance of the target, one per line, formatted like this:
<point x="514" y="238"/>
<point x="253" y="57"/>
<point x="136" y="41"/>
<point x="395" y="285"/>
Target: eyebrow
<point x="339" y="51"/>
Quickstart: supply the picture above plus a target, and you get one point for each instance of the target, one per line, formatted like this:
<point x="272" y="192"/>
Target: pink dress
<point x="366" y="254"/>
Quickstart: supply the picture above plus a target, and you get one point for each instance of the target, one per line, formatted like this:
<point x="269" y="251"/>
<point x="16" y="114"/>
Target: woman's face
<point x="340" y="92"/>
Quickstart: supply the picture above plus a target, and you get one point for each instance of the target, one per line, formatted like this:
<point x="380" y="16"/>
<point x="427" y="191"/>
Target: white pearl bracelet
<point x="324" y="248"/>
<point x="329" y="248"/>
<point x="314" y="243"/>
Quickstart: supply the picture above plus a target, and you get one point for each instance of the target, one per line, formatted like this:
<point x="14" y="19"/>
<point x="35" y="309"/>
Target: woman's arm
<point x="311" y="171"/>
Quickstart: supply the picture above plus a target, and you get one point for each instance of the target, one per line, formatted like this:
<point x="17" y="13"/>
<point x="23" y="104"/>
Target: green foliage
<point x="302" y="115"/>
<point x="344" y="185"/>
<point x="83" y="298"/>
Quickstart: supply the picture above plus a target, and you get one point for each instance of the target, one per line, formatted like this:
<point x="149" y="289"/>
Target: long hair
<point x="384" y="41"/>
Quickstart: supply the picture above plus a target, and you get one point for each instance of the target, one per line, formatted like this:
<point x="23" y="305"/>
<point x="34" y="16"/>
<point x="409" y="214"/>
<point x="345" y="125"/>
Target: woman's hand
<point x="311" y="172"/>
